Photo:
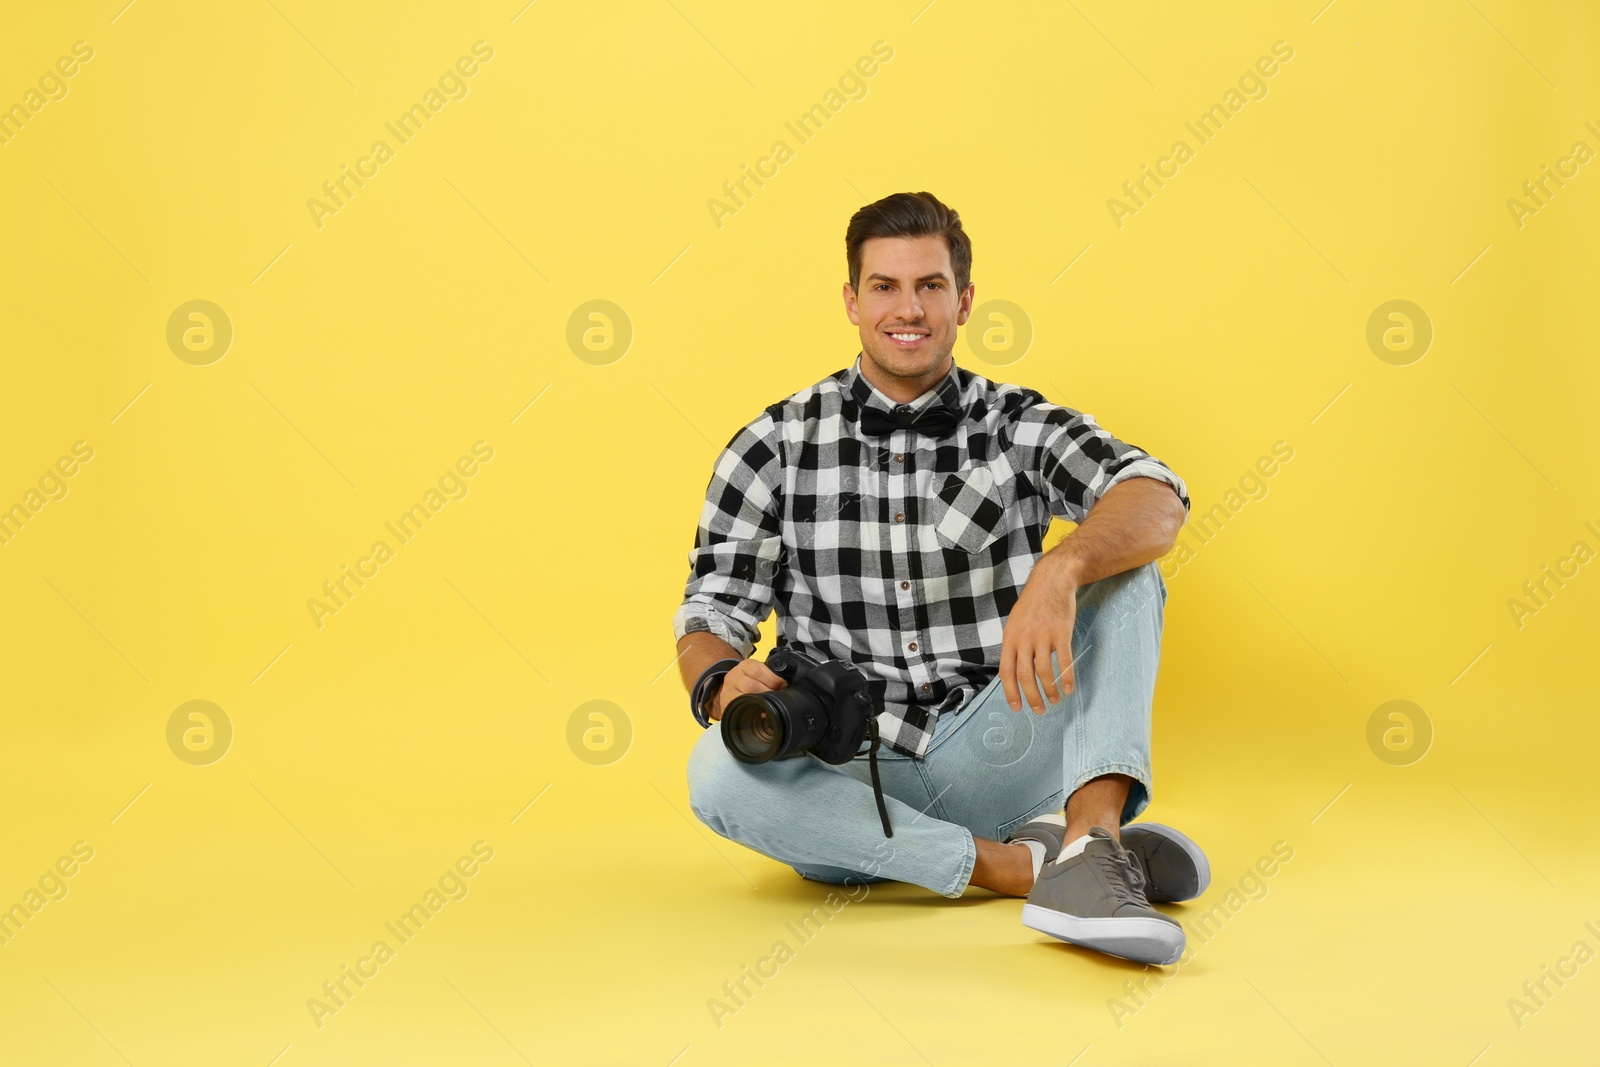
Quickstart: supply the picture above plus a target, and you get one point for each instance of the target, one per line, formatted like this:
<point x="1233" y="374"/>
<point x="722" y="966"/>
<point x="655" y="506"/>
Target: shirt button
<point x="912" y="646"/>
<point x="899" y="457"/>
<point x="926" y="687"/>
<point x="905" y="585"/>
<point x="899" y="517"/>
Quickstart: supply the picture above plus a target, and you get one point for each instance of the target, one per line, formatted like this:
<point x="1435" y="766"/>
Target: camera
<point x="825" y="710"/>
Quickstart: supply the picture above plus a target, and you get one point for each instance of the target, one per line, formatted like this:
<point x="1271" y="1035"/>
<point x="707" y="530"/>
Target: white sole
<point x="1139" y="939"/>
<point x="1201" y="865"/>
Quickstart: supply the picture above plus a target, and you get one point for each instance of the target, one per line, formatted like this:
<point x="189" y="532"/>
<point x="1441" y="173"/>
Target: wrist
<point x="1063" y="567"/>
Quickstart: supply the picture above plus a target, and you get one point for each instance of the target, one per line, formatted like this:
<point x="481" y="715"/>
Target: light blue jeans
<point x="987" y="769"/>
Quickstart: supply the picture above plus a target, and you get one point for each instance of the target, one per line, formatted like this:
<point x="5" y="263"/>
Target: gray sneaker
<point x="1096" y="899"/>
<point x="1173" y="866"/>
<point x="1048" y="830"/>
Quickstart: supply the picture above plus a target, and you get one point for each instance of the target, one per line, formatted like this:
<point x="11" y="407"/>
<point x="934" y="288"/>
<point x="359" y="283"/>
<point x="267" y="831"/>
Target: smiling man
<point x="894" y="513"/>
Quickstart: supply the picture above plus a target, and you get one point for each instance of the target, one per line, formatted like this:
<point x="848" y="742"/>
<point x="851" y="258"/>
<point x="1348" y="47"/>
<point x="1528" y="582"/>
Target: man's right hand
<point x="748" y="676"/>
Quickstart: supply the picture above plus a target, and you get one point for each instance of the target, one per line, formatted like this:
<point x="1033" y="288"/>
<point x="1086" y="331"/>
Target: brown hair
<point x="909" y="215"/>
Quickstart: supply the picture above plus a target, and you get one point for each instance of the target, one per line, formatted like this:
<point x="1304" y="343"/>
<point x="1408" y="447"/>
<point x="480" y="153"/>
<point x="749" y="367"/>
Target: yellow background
<point x="369" y="353"/>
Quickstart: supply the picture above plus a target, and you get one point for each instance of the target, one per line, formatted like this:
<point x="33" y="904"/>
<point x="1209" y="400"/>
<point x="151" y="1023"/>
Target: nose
<point x="909" y="308"/>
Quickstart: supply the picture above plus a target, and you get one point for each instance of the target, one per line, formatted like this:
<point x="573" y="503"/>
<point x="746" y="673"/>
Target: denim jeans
<point x="987" y="769"/>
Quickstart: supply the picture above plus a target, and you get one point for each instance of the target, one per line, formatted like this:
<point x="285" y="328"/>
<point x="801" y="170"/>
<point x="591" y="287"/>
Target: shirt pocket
<point x="968" y="509"/>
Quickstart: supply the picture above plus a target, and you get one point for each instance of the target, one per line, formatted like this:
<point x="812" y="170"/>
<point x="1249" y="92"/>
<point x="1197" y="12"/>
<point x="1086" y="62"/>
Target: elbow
<point x="1176" y="515"/>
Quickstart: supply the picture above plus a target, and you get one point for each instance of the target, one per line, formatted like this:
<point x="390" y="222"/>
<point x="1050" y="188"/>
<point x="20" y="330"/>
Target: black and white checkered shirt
<point x="902" y="554"/>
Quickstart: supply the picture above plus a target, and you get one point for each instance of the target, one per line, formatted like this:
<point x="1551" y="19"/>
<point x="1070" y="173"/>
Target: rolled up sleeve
<point x="1073" y="461"/>
<point x="734" y="563"/>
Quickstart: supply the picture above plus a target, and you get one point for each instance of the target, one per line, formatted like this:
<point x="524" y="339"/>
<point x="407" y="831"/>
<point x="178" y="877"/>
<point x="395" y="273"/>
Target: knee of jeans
<point x="837" y="876"/>
<point x="712" y="772"/>
<point x="1137" y="591"/>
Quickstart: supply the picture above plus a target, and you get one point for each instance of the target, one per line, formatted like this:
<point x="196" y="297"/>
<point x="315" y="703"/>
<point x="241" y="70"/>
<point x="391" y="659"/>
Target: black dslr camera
<point x="825" y="709"/>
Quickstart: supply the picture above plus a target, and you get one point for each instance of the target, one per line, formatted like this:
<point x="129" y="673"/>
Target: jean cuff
<point x="1138" y="792"/>
<point x="964" y="875"/>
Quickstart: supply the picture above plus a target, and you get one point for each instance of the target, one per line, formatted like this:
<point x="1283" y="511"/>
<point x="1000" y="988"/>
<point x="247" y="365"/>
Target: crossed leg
<point x="987" y="771"/>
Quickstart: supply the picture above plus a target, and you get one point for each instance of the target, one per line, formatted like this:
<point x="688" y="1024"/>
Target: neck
<point x="903" y="390"/>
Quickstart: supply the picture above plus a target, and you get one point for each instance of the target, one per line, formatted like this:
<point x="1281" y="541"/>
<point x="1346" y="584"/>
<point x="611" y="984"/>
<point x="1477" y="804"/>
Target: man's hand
<point x="1040" y="623"/>
<point x="1133" y="523"/>
<point x="699" y="649"/>
<point x="748" y="676"/>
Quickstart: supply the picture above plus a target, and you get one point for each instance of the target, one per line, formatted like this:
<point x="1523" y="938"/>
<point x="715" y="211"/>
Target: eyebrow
<point x="925" y="278"/>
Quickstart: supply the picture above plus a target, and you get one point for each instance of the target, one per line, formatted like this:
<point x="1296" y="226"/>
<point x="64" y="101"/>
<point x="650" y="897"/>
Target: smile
<point x="908" y="340"/>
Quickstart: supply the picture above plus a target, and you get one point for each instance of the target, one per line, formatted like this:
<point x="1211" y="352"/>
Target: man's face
<point x="907" y="311"/>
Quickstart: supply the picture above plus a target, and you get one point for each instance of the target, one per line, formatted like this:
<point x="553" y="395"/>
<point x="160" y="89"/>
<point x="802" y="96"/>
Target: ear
<point x="964" y="312"/>
<point x="850" y="307"/>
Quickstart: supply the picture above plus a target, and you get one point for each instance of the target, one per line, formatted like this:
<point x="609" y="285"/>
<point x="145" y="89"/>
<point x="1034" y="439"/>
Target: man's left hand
<point x="1040" y="623"/>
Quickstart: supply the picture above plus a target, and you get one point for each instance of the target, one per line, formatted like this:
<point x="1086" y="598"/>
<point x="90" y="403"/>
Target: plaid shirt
<point x="901" y="554"/>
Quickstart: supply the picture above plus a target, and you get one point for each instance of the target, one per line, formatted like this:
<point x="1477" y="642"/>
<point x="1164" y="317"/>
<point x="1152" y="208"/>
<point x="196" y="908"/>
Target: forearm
<point x="699" y="650"/>
<point x="1133" y="523"/>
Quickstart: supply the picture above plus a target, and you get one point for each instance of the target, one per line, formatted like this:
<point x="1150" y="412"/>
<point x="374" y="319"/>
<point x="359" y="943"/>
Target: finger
<point x="742" y="688"/>
<point x="1030" y="681"/>
<point x="1069" y="678"/>
<point x="734" y="685"/>
<point x="726" y="694"/>
<point x="1052" y="680"/>
<point x="1008" y="679"/>
<point x="764" y="675"/>
<point x="1064" y="663"/>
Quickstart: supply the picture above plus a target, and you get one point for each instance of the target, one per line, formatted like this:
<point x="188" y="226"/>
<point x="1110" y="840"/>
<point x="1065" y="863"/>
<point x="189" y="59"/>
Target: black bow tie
<point x="935" y="420"/>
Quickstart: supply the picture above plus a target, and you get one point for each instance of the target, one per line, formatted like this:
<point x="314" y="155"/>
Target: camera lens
<point x="762" y="729"/>
<point x="758" y="727"/>
<point x="753" y="732"/>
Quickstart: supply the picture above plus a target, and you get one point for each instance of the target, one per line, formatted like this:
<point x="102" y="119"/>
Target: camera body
<point x="825" y="709"/>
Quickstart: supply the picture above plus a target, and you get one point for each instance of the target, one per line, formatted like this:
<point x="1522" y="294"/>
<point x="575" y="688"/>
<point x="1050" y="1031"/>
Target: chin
<point x="907" y="364"/>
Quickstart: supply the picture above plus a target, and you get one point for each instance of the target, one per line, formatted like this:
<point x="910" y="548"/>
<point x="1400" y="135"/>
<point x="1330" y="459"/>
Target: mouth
<point x="907" y="338"/>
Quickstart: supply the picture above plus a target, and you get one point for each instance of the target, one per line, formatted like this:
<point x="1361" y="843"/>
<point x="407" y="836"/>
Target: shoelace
<point x="1122" y="874"/>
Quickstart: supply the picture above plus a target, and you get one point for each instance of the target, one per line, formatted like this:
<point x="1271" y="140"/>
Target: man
<point x="895" y="512"/>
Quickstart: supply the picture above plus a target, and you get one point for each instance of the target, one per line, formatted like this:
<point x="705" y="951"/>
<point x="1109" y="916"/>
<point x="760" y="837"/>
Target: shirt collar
<point x="947" y="391"/>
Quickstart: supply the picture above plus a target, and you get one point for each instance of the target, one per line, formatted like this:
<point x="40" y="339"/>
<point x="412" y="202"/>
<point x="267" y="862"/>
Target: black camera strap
<point x="877" y="786"/>
<point x="705" y="687"/>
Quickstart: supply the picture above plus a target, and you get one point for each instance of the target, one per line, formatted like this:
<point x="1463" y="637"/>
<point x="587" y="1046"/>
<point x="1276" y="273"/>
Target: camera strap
<point x="877" y="786"/>
<point x="705" y="686"/>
